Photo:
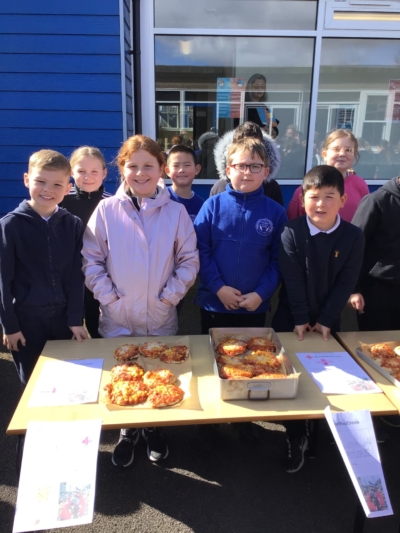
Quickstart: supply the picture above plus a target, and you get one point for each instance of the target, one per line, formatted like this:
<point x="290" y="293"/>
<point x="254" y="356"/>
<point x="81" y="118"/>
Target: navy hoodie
<point x="238" y="240"/>
<point x="40" y="266"/>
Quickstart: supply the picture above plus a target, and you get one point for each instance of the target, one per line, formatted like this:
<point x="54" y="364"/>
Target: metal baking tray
<point x="365" y="353"/>
<point x="253" y="389"/>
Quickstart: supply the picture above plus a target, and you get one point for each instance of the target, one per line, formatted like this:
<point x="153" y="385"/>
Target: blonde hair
<point x="134" y="144"/>
<point x="49" y="160"/>
<point x="83" y="151"/>
<point x="248" y="144"/>
<point x="338" y="134"/>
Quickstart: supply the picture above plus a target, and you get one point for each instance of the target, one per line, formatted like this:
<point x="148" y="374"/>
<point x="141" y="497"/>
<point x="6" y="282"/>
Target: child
<point x="340" y="151"/>
<point x="139" y="259"/>
<point x="238" y="237"/>
<point x="88" y="170"/>
<point x="182" y="168"/>
<point x="245" y="131"/>
<point x="41" y="281"/>
<point x="378" y="292"/>
<point x="320" y="258"/>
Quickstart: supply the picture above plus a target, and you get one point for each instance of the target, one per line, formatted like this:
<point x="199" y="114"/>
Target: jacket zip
<point x="51" y="265"/>
<point x="243" y="209"/>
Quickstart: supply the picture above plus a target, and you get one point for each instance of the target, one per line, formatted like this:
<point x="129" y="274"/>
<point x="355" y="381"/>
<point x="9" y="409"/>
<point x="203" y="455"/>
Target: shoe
<point x="392" y="421"/>
<point x="123" y="453"/>
<point x="248" y="432"/>
<point x="157" y="447"/>
<point x="295" y="454"/>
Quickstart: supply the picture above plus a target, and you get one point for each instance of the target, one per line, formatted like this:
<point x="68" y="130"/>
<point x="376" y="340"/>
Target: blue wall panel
<point x="60" y="85"/>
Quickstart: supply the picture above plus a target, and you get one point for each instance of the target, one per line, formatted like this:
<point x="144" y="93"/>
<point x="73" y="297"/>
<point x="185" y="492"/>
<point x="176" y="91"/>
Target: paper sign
<point x="58" y="475"/>
<point x="354" y="434"/>
<point x="69" y="382"/>
<point x="337" y="373"/>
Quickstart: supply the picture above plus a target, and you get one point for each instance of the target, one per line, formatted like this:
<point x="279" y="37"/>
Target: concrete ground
<point x="236" y="488"/>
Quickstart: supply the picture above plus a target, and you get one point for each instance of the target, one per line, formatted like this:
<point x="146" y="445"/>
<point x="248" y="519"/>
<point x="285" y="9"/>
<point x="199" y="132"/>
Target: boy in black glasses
<point x="238" y="233"/>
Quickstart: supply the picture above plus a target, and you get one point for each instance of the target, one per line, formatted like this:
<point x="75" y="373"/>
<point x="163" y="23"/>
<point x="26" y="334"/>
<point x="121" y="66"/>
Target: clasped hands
<point x="233" y="299"/>
<point x="300" y="330"/>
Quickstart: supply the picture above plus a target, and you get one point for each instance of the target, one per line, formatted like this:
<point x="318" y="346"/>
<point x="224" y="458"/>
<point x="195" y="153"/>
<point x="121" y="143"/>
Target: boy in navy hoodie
<point x="41" y="280"/>
<point x="238" y="234"/>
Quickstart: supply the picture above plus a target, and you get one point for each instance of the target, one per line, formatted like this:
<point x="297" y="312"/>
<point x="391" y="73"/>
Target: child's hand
<point x="166" y="302"/>
<point x="323" y="330"/>
<point x="11" y="341"/>
<point x="251" y="301"/>
<point x="79" y="333"/>
<point x="300" y="330"/>
<point x="357" y="302"/>
<point x="230" y="297"/>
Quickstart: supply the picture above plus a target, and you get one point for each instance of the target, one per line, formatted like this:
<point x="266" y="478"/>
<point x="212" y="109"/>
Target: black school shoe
<point x="295" y="453"/>
<point x="157" y="447"/>
<point x="123" y="453"/>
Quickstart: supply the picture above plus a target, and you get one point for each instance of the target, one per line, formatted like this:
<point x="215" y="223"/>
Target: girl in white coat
<point x="139" y="259"/>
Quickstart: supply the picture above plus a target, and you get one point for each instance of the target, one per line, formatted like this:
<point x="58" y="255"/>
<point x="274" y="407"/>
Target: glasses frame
<point x="248" y="167"/>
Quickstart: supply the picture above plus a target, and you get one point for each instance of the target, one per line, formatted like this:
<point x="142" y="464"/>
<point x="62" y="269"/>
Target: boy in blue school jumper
<point x="41" y="280"/>
<point x="238" y="235"/>
<point x="320" y="258"/>
<point x="182" y="168"/>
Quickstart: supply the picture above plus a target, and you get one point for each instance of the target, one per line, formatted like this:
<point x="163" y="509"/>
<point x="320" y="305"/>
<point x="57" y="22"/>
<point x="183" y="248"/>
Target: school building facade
<point x="97" y="71"/>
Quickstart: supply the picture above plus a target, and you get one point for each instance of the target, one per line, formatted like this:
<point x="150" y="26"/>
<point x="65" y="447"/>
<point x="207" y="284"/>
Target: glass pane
<point x="224" y="81"/>
<point x="359" y="90"/>
<point x="236" y="14"/>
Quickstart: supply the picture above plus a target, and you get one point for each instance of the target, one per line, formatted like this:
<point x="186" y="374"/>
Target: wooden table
<point x="204" y="406"/>
<point x="351" y="341"/>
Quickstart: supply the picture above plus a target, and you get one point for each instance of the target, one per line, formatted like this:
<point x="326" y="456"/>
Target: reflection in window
<point x="236" y="14"/>
<point x="223" y="81"/>
<point x="366" y="73"/>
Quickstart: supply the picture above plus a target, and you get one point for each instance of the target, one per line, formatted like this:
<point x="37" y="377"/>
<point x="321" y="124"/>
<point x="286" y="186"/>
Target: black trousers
<point x="382" y="306"/>
<point x="37" y="330"/>
<point x="209" y="319"/>
<point x="92" y="314"/>
<point x="282" y="320"/>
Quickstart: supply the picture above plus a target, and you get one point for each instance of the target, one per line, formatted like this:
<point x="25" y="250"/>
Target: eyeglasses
<point x="338" y="149"/>
<point x="254" y="168"/>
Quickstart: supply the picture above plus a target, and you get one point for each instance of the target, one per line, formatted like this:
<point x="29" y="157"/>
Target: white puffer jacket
<point x="139" y="257"/>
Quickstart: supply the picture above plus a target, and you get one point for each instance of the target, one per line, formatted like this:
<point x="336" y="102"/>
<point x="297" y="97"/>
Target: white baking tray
<point x="253" y="389"/>
<point x="365" y="353"/>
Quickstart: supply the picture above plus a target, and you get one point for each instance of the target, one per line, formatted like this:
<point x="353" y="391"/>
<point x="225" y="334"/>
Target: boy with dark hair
<point x="320" y="258"/>
<point x="182" y="168"/>
<point x="41" y="279"/>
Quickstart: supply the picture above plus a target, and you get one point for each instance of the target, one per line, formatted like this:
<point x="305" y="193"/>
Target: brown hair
<point x="248" y="144"/>
<point x="338" y="134"/>
<point x="134" y="144"/>
<point x="49" y="160"/>
<point x="83" y="151"/>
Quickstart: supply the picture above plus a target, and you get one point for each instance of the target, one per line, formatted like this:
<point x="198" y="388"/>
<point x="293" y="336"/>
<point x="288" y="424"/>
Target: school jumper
<point x="82" y="204"/>
<point x="319" y="274"/>
<point x="238" y="239"/>
<point x="134" y="257"/>
<point x="355" y="188"/>
<point x="378" y="218"/>
<point x="271" y="188"/>
<point x="41" y="280"/>
<point x="192" y="205"/>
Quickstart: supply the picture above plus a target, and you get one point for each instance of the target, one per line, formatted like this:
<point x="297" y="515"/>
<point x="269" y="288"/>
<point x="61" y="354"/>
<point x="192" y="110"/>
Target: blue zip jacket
<point x="40" y="266"/>
<point x="238" y="238"/>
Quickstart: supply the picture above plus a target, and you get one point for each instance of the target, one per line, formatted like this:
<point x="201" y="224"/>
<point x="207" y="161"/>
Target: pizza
<point x="397" y="376"/>
<point x="152" y="378"/>
<point x="227" y="360"/>
<point x="153" y="349"/>
<point x="265" y="369"/>
<point x="126" y="352"/>
<point x="165" y="395"/>
<point x="262" y="358"/>
<point x="236" y="371"/>
<point x="175" y="354"/>
<point x="127" y="392"/>
<point x="127" y="372"/>
<point x="231" y="347"/>
<point x="259" y="343"/>
<point x="382" y="351"/>
<point x="391" y="365"/>
<point x="270" y="375"/>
